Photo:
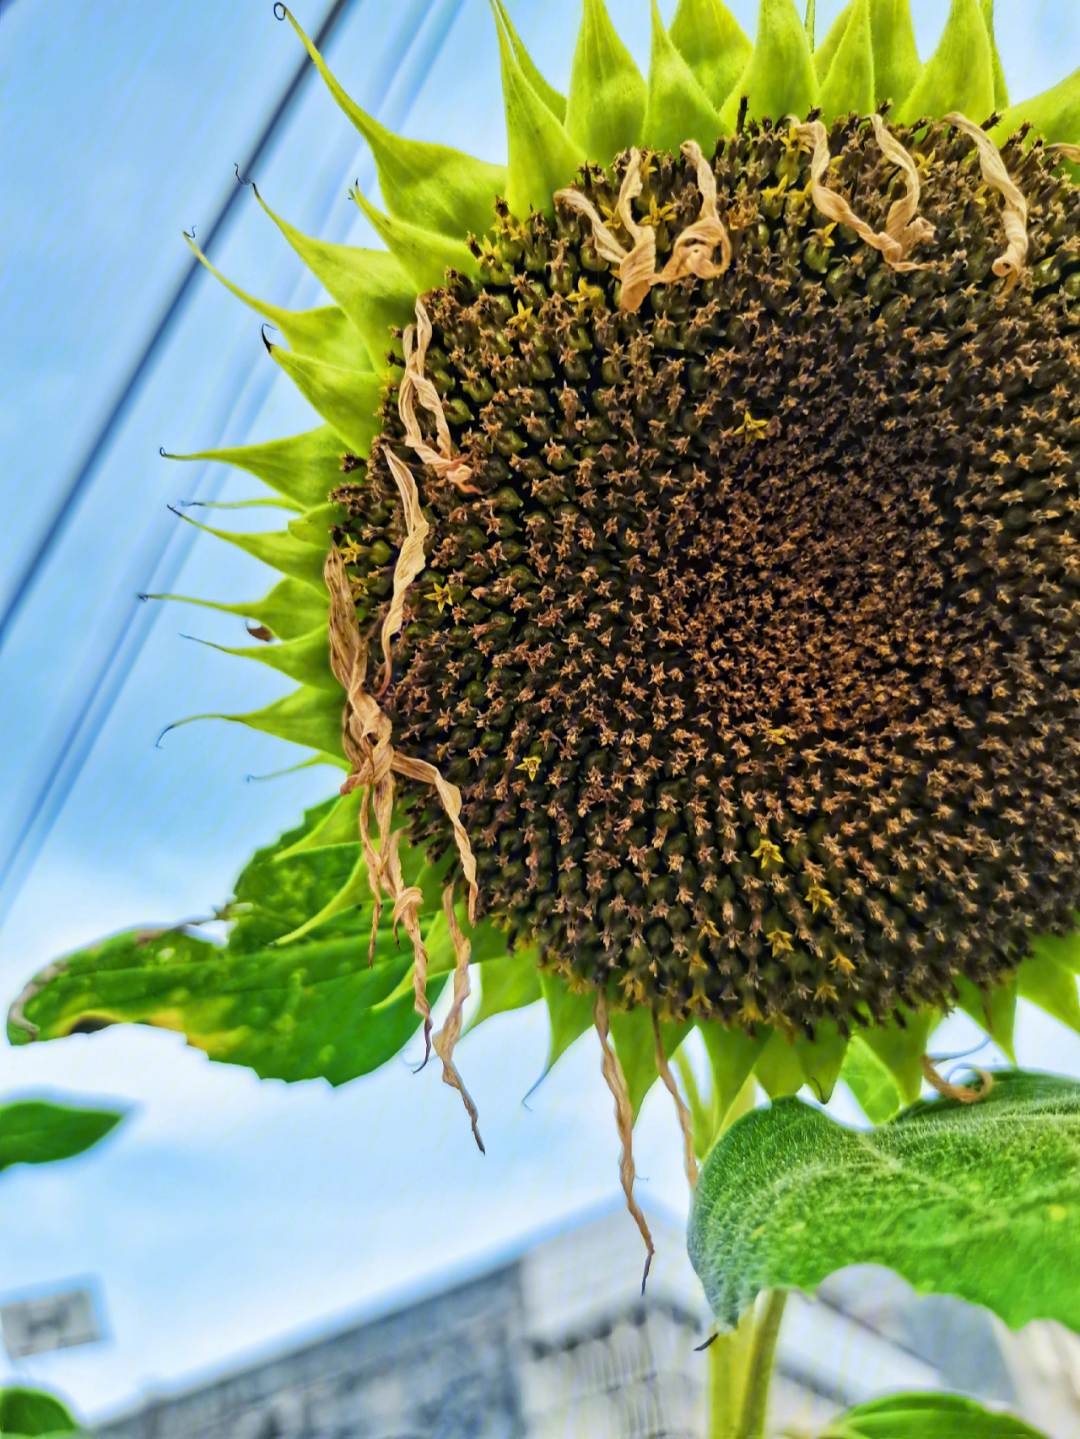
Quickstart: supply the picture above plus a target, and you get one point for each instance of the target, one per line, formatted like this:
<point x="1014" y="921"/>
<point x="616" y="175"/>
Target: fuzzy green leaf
<point x="291" y="609"/>
<point x="304" y="468"/>
<point x="304" y="1011"/>
<point x="325" y="334"/>
<point x="424" y="255"/>
<point x="1051" y="984"/>
<point x="1055" y="114"/>
<point x="849" y="83"/>
<point x="788" y="1196"/>
<point x="509" y="982"/>
<point x="35" y="1132"/>
<point x="335" y="823"/>
<point x="555" y="102"/>
<point x="926" y="1416"/>
<point x="29" y="1412"/>
<point x="732" y="1056"/>
<point x="306" y="659"/>
<point x="431" y="186"/>
<point x="870" y="1082"/>
<point x="713" y="44"/>
<point x="369" y="285"/>
<point x="779" y="79"/>
<point x="347" y="399"/>
<point x="606" y="103"/>
<point x="676" y="107"/>
<point x="897" y="66"/>
<point x="1001" y="90"/>
<point x="960" y="73"/>
<point x="635" y="1045"/>
<point x="569" y="1015"/>
<point x="277" y="548"/>
<point x="543" y="157"/>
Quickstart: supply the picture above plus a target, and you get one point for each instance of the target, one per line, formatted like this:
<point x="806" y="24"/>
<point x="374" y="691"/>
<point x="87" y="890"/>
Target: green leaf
<point x="1055" y="114"/>
<point x="870" y="1082"/>
<point x="555" y="102"/>
<point x="347" y="399"/>
<point x="713" y="44"/>
<point x="543" y="157"/>
<point x="788" y="1196"/>
<point x="732" y="1056"/>
<point x="310" y="1010"/>
<point x="897" y="66"/>
<point x="304" y="468"/>
<point x="849" y="83"/>
<point x="569" y="1015"/>
<point x="508" y="982"/>
<point x="278" y="549"/>
<point x="325" y="334"/>
<point x="900" y="1049"/>
<point x="926" y="1416"/>
<point x="779" y="79"/>
<point x="291" y="609"/>
<point x="959" y="75"/>
<point x="676" y="107"/>
<point x="423" y="255"/>
<point x="306" y="659"/>
<point x="606" y="103"/>
<point x="995" y="1011"/>
<point x="1051" y="984"/>
<point x="26" y="1412"/>
<point x="35" y="1132"/>
<point x="369" y="285"/>
<point x="431" y="186"/>
<point x="635" y="1045"/>
<point x="1001" y="90"/>
<point x="338" y="824"/>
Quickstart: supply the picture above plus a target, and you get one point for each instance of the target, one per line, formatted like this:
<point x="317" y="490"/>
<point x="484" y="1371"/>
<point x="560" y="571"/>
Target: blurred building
<point x="556" y="1342"/>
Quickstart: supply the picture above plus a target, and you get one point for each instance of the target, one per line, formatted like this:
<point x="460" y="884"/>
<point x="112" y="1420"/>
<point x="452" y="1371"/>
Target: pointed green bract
<point x="849" y="84"/>
<point x="713" y="44"/>
<point x="507" y="983"/>
<point x="428" y="185"/>
<point x="569" y="1015"/>
<point x="871" y="1084"/>
<point x="347" y="399"/>
<point x="369" y="285"/>
<point x="325" y="334"/>
<point x="304" y="468"/>
<point x="995" y="1012"/>
<point x="306" y="659"/>
<point x="822" y="1059"/>
<point x="732" y="1056"/>
<point x="1051" y="984"/>
<point x="779" y="79"/>
<point x="606" y="103"/>
<point x="313" y="526"/>
<point x="543" y="157"/>
<point x="825" y="53"/>
<point x="291" y="609"/>
<point x="901" y="1050"/>
<point x="897" y="66"/>
<point x="1055" y="114"/>
<point x="278" y="549"/>
<point x="338" y="826"/>
<point x="959" y="75"/>
<point x="423" y="255"/>
<point x="676" y="107"/>
<point x="1001" y="90"/>
<point x="555" y="102"/>
<point x="635" y="1044"/>
<point x="308" y="716"/>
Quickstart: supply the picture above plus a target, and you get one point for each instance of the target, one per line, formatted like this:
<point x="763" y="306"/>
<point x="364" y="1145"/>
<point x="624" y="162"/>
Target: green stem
<point x="759" y="1368"/>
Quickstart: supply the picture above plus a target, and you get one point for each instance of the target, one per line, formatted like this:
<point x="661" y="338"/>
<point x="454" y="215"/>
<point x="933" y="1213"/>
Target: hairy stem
<point x="759" y="1368"/>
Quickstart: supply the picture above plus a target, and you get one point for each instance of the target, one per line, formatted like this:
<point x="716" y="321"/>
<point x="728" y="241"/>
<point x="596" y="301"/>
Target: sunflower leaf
<point x="676" y="107"/>
<point x="787" y="1196"/>
<point x="431" y="186"/>
<point x="870" y="1082"/>
<point x="33" y="1131"/>
<point x="926" y="1416"/>
<point x="779" y="78"/>
<point x="543" y="157"/>
<point x="606" y="103"/>
<point x="346" y="399"/>
<point x="713" y="44"/>
<point x="960" y="73"/>
<point x="849" y="83"/>
<point x="29" y="1412"/>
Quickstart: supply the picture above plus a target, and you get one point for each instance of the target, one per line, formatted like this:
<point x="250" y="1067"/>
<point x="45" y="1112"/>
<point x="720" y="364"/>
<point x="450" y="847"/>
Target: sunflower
<point x="694" y="536"/>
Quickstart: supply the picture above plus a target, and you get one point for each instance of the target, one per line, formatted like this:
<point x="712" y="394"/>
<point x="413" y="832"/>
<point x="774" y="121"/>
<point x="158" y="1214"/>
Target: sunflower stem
<point x="760" y="1364"/>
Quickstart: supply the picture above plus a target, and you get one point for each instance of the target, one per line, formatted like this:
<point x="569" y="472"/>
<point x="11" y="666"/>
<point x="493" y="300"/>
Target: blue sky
<point x="227" y="1213"/>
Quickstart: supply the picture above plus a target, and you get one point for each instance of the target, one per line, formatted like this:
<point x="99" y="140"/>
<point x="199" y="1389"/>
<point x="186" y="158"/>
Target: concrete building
<point x="556" y="1342"/>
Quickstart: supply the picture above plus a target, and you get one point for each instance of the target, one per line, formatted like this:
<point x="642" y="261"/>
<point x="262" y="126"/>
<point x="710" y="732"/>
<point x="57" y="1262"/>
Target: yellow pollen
<point x="819" y="898"/>
<point x="841" y="962"/>
<point x="350" y="552"/>
<point x="522" y="319"/>
<point x="751" y="428"/>
<point x="585" y="294"/>
<point x="768" y="853"/>
<point x="780" y="940"/>
<point x="441" y="595"/>
<point x="530" y="765"/>
<point x="824" y="991"/>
